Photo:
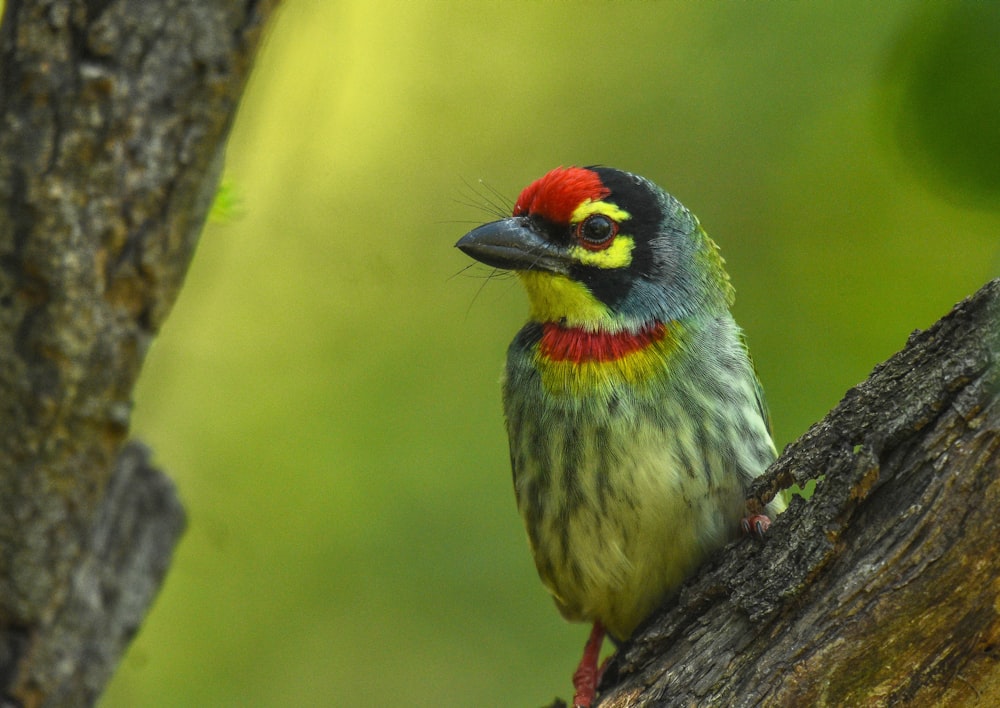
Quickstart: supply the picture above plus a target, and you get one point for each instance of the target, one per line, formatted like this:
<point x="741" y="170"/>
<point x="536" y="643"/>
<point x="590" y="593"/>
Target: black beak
<point x="513" y="244"/>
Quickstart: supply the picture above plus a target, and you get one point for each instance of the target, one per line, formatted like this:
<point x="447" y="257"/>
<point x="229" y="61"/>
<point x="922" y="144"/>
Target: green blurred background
<point x="325" y="392"/>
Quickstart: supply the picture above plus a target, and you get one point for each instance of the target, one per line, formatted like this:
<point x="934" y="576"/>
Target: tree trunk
<point x="884" y="587"/>
<point x="113" y="120"/>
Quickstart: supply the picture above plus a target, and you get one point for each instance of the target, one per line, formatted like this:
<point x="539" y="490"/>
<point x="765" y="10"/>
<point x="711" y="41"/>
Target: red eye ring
<point x="596" y="232"/>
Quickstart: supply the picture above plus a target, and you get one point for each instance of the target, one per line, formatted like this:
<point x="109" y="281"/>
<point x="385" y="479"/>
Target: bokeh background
<point x="325" y="391"/>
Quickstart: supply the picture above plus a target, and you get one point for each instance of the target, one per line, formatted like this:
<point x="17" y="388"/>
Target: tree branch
<point x="114" y="582"/>
<point x="884" y="587"/>
<point x="113" y="119"/>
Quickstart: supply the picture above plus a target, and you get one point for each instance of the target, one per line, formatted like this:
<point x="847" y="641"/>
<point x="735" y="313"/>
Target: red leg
<point x="586" y="676"/>
<point x="603" y="668"/>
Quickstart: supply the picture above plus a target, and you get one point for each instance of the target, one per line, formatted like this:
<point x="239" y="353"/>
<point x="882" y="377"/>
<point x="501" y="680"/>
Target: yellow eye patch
<point x="617" y="255"/>
<point x="590" y="207"/>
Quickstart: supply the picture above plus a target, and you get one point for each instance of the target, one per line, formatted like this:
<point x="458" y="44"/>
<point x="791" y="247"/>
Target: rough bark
<point x="113" y="119"/>
<point x="884" y="587"/>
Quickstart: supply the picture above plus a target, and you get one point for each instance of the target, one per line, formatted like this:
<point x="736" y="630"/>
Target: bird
<point x="635" y="417"/>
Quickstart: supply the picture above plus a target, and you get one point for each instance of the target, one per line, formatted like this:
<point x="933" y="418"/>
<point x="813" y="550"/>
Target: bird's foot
<point x="758" y="524"/>
<point x="587" y="675"/>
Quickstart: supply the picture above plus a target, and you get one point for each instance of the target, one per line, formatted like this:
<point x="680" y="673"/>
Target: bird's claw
<point x="758" y="524"/>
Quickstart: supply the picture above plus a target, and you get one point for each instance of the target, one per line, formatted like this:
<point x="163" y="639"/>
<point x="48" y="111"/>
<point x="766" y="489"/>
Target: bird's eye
<point x="596" y="232"/>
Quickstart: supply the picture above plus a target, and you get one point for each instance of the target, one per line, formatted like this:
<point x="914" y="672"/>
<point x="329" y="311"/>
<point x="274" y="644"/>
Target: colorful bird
<point x="635" y="418"/>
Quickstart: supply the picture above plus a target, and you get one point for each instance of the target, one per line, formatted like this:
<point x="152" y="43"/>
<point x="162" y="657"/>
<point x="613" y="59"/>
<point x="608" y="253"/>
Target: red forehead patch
<point x="557" y="195"/>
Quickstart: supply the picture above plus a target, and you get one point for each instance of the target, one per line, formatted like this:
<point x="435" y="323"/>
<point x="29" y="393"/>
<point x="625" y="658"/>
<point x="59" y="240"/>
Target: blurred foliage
<point x="325" y="391"/>
<point x="942" y="94"/>
<point x="226" y="205"/>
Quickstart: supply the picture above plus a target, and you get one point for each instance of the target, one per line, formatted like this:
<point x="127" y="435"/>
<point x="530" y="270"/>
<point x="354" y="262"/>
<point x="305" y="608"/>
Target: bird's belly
<point x="619" y="512"/>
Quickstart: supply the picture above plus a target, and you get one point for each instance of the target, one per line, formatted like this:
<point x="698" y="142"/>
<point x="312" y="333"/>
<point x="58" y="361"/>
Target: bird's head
<point x="602" y="249"/>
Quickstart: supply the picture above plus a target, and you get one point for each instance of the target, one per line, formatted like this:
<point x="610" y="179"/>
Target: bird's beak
<point x="513" y="244"/>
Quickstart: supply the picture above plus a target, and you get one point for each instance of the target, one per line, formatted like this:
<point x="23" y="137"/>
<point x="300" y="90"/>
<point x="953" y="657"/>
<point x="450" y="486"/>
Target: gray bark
<point x="113" y="120"/>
